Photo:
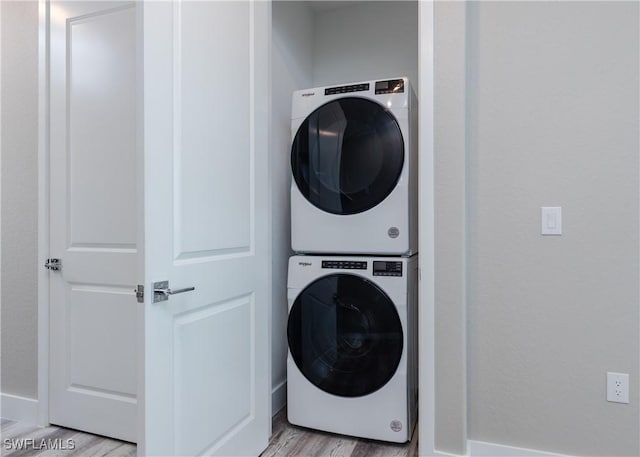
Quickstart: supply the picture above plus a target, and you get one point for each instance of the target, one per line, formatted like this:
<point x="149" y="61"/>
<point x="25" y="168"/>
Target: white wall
<point x="19" y="193"/>
<point x="371" y="40"/>
<point x="553" y="120"/>
<point x="291" y="70"/>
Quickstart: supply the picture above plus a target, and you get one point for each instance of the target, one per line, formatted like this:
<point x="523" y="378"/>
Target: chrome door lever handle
<point x="161" y="291"/>
<point x="173" y="292"/>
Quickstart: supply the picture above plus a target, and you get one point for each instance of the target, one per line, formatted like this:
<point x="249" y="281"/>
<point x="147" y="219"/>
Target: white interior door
<point x="206" y="356"/>
<point x="93" y="226"/>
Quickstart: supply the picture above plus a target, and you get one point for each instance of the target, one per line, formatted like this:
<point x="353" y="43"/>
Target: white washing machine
<point x="354" y="167"/>
<point x="352" y="333"/>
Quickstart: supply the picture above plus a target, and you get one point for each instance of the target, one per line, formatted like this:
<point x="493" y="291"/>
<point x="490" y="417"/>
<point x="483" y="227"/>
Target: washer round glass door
<point x="345" y="335"/>
<point x="347" y="155"/>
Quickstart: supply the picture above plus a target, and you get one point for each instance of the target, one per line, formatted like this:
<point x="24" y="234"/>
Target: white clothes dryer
<point x="354" y="168"/>
<point x="352" y="334"/>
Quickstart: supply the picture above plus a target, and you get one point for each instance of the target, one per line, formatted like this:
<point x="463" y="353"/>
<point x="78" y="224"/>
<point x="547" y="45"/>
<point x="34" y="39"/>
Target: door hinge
<point x="139" y="290"/>
<point x="53" y="264"/>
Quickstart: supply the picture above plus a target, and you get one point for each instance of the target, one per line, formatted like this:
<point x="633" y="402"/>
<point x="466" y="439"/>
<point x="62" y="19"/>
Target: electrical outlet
<point x="618" y="387"/>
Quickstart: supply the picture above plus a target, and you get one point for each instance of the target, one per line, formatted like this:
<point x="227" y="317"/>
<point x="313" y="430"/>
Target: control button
<point x="346" y="89"/>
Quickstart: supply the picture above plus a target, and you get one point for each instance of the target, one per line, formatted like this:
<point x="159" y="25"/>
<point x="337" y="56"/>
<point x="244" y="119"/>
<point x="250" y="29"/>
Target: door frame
<point x="43" y="213"/>
<point x="426" y="232"/>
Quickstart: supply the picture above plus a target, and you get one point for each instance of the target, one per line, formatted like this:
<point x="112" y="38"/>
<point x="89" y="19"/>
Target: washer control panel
<point x="384" y="268"/>
<point x="344" y="264"/>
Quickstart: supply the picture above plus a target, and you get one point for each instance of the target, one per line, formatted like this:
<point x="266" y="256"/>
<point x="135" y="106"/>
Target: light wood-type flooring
<point x="287" y="441"/>
<point x="86" y="444"/>
<point x="291" y="441"/>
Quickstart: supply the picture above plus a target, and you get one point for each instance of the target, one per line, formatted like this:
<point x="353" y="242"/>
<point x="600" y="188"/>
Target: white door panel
<point x="206" y="354"/>
<point x="102" y="129"/>
<point x="212" y="139"/>
<point x="96" y="315"/>
<point x="93" y="217"/>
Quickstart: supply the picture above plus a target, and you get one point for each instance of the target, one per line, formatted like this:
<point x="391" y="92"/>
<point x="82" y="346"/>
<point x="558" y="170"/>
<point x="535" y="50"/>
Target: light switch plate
<point x="551" y="220"/>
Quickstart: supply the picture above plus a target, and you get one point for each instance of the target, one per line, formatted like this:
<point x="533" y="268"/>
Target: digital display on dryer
<point x="391" y="86"/>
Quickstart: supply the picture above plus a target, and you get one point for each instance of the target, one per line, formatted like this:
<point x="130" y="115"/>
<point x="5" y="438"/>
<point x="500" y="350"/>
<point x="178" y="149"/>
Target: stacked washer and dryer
<point x="352" y="287"/>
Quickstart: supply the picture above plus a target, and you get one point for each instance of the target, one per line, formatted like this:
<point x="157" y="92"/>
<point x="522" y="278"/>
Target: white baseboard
<point x="16" y="408"/>
<point x="22" y="409"/>
<point x="482" y="449"/>
<point x="278" y="397"/>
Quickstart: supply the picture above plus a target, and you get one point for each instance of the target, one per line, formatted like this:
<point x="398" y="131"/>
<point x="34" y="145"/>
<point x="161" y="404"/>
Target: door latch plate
<point x="53" y="264"/>
<point x="158" y="294"/>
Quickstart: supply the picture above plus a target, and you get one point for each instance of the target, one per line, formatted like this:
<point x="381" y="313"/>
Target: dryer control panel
<point x="346" y="89"/>
<point x="344" y="264"/>
<point x="384" y="268"/>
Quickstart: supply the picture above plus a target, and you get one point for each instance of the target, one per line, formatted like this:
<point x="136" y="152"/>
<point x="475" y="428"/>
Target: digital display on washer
<point x="384" y="268"/>
<point x="391" y="86"/>
<point x="344" y="264"/>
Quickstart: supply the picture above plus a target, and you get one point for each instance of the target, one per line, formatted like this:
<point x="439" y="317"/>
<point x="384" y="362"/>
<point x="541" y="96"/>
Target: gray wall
<point x="19" y="204"/>
<point x="292" y="46"/>
<point x="450" y="191"/>
<point x="553" y="120"/>
<point x="372" y="40"/>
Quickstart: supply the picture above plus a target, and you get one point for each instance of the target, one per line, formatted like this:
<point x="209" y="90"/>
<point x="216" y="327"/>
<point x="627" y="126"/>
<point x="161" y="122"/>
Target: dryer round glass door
<point x="347" y="155"/>
<point x="345" y="335"/>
